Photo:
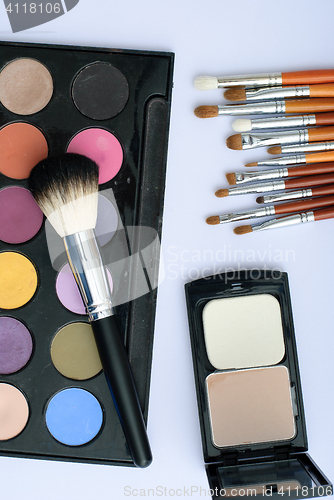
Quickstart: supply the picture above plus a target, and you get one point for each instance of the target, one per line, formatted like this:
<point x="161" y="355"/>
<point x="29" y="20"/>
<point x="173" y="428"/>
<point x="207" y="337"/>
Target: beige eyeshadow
<point x="74" y="352"/>
<point x="26" y="86"/>
<point x="243" y="331"/>
<point x="250" y="406"/>
<point x="14" y="411"/>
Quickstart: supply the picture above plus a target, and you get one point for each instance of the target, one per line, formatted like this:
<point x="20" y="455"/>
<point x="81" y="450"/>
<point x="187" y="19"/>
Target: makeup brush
<point x="301" y="148"/>
<point x="295" y="195"/>
<point x="294" y="159"/>
<point x="268" y="107"/>
<point x="295" y="121"/>
<point x="265" y="79"/>
<point x="264" y="93"/>
<point x="280" y="185"/>
<point x="66" y="190"/>
<point x="279" y="173"/>
<point x="290" y="220"/>
<point x="283" y="208"/>
<point x="299" y="136"/>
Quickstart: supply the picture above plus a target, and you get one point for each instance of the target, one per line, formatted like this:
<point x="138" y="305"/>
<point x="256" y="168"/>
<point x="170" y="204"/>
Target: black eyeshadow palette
<point x="113" y="106"/>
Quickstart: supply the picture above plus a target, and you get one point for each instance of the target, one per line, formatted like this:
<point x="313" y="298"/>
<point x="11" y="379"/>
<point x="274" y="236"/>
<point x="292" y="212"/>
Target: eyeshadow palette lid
<point x="248" y="384"/>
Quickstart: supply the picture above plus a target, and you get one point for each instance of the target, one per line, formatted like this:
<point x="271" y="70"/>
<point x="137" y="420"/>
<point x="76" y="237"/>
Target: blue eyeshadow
<point x="74" y="416"/>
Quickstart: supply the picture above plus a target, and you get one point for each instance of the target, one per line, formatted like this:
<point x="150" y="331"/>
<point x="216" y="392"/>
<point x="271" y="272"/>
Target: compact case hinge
<point x="230" y="459"/>
<point x="282" y="453"/>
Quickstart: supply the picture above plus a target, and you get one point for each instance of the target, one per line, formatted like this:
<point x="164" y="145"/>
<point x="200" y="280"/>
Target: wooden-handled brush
<point x="66" y="189"/>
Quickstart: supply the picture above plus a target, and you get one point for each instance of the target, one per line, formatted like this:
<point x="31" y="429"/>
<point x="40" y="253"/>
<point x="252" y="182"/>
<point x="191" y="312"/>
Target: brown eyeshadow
<point x="250" y="406"/>
<point x="26" y="86"/>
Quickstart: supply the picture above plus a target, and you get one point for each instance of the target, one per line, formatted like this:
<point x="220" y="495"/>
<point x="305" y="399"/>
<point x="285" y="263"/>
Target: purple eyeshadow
<point x="15" y="345"/>
<point x="20" y="216"/>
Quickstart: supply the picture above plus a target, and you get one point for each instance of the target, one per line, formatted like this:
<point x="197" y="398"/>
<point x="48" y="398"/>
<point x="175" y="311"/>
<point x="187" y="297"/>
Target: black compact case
<point x="281" y="468"/>
<point x="137" y="191"/>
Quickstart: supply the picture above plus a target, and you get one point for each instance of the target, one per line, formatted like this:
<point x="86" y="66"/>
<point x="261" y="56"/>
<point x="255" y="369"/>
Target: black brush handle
<point x="118" y="373"/>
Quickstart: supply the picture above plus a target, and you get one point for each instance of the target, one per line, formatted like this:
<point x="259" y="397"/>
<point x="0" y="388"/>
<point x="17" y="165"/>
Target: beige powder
<point x="250" y="406"/>
<point x="26" y="86"/>
<point x="14" y="411"/>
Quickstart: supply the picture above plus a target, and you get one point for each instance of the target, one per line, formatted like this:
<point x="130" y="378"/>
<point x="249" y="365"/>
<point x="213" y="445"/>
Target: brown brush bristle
<point x="206" y="111"/>
<point x="234" y="142"/>
<point x="251" y="164"/>
<point x="260" y="199"/>
<point x="231" y="179"/>
<point x="242" y="229"/>
<point x="221" y="193"/>
<point x="235" y="94"/>
<point x="275" y="150"/>
<point x="214" y="219"/>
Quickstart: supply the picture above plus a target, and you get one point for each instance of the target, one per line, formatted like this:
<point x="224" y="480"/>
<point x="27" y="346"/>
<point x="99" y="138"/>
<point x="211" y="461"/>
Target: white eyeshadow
<point x="243" y="331"/>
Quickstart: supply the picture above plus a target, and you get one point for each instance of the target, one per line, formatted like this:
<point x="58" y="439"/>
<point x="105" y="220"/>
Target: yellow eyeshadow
<point x="18" y="280"/>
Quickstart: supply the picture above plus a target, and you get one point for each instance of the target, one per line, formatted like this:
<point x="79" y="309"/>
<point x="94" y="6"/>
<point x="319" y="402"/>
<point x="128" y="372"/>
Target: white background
<point x="214" y="37"/>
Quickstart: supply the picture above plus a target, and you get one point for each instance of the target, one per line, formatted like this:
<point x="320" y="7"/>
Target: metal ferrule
<point x="255" y="80"/>
<point x="247" y="214"/>
<point x="250" y="141"/>
<point x="281" y="161"/>
<point x="275" y="173"/>
<point x="277" y="93"/>
<point x="309" y="147"/>
<point x="259" y="187"/>
<point x="291" y="220"/>
<point x="287" y="195"/>
<point x="283" y="122"/>
<point x="86" y="263"/>
<point x="269" y="107"/>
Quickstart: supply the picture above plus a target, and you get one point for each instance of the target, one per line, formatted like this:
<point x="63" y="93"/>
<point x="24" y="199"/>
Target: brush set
<point x="298" y="128"/>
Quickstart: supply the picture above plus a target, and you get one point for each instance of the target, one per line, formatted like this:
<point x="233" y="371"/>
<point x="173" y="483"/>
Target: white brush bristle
<point x="80" y="214"/>
<point x="206" y="83"/>
<point x="242" y="125"/>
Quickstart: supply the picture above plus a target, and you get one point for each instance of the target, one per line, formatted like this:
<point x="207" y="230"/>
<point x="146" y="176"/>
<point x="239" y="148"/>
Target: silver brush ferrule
<point x="308" y="148"/>
<point x="290" y="220"/>
<point x="260" y="187"/>
<point x="253" y="80"/>
<point x="247" y="214"/>
<point x="281" y="161"/>
<point x="86" y="263"/>
<point x="287" y="196"/>
<point x="275" y="173"/>
<point x="283" y="122"/>
<point x="252" y="108"/>
<point x="250" y="141"/>
<point x="280" y="93"/>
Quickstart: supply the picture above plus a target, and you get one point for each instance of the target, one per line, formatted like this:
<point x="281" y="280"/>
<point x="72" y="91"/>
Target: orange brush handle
<point x="323" y="190"/>
<point x="324" y="213"/>
<point x="323" y="90"/>
<point x="308" y="77"/>
<point x="321" y="134"/>
<point x="320" y="157"/>
<point x="307" y="204"/>
<point x="310" y="105"/>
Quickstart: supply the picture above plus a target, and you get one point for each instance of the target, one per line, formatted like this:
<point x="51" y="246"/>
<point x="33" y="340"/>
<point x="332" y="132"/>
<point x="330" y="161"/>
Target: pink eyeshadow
<point x="102" y="147"/>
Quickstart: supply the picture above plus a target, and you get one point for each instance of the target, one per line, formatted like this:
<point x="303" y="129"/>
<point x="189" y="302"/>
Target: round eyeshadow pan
<point x="101" y="146"/>
<point x="68" y="292"/>
<point x="20" y="216"/>
<point x="74" y="416"/>
<point x="22" y="146"/>
<point x="14" y="411"/>
<point x="107" y="220"/>
<point x="15" y="345"/>
<point x="74" y="352"/>
<point x="26" y="86"/>
<point x="18" y="280"/>
<point x="100" y="91"/>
